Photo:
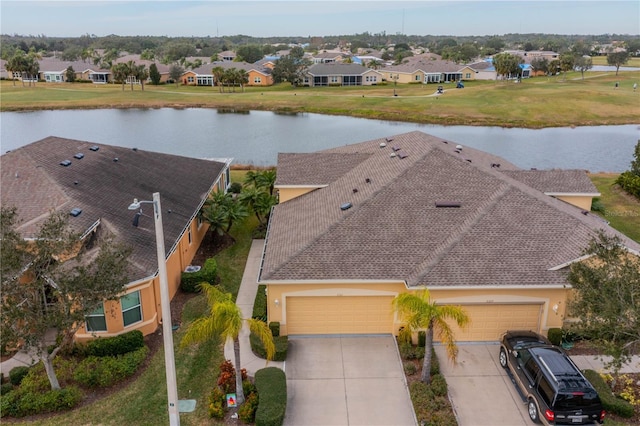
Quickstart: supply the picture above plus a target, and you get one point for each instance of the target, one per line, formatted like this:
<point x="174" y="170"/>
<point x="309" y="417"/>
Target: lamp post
<point x="167" y="331"/>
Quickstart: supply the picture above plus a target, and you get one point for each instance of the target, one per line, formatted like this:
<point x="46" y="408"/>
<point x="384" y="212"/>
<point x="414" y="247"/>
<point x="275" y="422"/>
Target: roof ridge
<point x="453" y="240"/>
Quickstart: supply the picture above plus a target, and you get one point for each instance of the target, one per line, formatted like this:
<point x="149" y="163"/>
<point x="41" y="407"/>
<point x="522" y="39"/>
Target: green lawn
<point x="620" y="209"/>
<point x="537" y="102"/>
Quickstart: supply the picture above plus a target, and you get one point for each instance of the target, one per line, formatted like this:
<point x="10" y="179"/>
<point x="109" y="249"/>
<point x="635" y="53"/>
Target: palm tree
<point x="266" y="179"/>
<point x="225" y="321"/>
<point x="218" y="75"/>
<point x="221" y="211"/>
<point x="420" y="312"/>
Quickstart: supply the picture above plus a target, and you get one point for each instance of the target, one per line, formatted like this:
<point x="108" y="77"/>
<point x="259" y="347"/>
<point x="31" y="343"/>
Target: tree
<point x="266" y="179"/>
<point x="120" y="73"/>
<point x="175" y="72"/>
<point x="291" y="68"/>
<point x="16" y="64"/>
<point x="567" y="62"/>
<point x="583" y="63"/>
<point x="249" y="53"/>
<point x="418" y="312"/>
<point x="606" y="297"/>
<point x="616" y="59"/>
<point x="154" y="74"/>
<point x="40" y="292"/>
<point x="70" y="74"/>
<point x="221" y="211"/>
<point x="225" y="321"/>
<point x="507" y="65"/>
<point x="218" y="75"/>
<point x="540" y="65"/>
<point x="141" y="74"/>
<point x="32" y="67"/>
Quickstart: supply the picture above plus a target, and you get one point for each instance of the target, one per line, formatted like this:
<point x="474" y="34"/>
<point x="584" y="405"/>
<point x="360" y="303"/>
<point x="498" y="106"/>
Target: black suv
<point x="554" y="388"/>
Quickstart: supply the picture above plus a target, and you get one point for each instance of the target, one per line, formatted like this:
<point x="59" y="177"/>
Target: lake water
<point x="257" y="137"/>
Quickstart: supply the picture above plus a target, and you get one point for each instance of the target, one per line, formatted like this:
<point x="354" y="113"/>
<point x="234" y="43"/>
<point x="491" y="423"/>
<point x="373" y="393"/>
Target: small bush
<point x="410" y="368"/>
<point x="630" y="183"/>
<point x="17" y="374"/>
<point x="248" y="387"/>
<point x="217" y="399"/>
<point x="271" y="383"/>
<point x="431" y="409"/>
<point x="5" y="388"/>
<point x="555" y="336"/>
<point x="116" y="345"/>
<point x="235" y="187"/>
<point x="247" y="411"/>
<point x="281" y="344"/>
<point x="422" y="338"/>
<point x="597" y="206"/>
<point x="96" y="371"/>
<point x="274" y="326"/>
<point x="20" y="403"/>
<point x="610" y="402"/>
<point x="438" y="385"/>
<point x="408" y="351"/>
<point x="260" y="304"/>
<point x="227" y="377"/>
<point x="190" y="281"/>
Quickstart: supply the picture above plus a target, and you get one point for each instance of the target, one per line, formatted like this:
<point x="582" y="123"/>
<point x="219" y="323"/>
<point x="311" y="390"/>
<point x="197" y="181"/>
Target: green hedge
<point x="274" y="326"/>
<point x="116" y="345"/>
<point x="189" y="281"/>
<point x="260" y="304"/>
<point x="281" y="343"/>
<point x="19" y="403"/>
<point x="106" y="371"/>
<point x="555" y="336"/>
<point x="610" y="402"/>
<point x="630" y="183"/>
<point x="17" y="374"/>
<point x="271" y="383"/>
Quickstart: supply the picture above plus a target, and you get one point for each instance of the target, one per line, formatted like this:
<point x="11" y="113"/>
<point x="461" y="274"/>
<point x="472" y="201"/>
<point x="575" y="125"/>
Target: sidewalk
<point x="245" y="299"/>
<point x="23" y="358"/>
<point x="594" y="363"/>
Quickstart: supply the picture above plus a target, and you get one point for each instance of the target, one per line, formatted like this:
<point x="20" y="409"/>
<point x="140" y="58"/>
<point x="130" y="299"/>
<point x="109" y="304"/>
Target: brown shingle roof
<point x="555" y="181"/>
<point x="504" y="232"/>
<point x="35" y="183"/>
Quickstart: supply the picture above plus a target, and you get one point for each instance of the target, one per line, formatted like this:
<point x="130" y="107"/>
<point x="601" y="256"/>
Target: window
<point x="546" y="391"/>
<point x="96" y="320"/>
<point x="334" y="79"/>
<point x="190" y="239"/>
<point x="257" y="80"/>
<point x="190" y="79"/>
<point x="131" y="308"/>
<point x="200" y="222"/>
<point x="417" y="78"/>
<point x="467" y="76"/>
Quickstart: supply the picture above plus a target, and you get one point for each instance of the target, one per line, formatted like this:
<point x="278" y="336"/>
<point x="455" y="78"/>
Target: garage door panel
<point x="488" y="322"/>
<point x="339" y="315"/>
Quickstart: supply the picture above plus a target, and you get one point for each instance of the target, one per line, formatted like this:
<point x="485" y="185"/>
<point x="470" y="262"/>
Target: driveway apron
<point x="346" y="380"/>
<point x="480" y="391"/>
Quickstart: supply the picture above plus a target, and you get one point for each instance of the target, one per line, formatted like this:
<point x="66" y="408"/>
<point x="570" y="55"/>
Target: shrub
<point x="116" y="345"/>
<point x="431" y="409"/>
<point x="260" y="304"/>
<point x="227" y="377"/>
<point x="271" y="383"/>
<point x="408" y="351"/>
<point x="105" y="371"/>
<point x="5" y="388"/>
<point x="422" y="338"/>
<point x="438" y="385"/>
<point x="630" y="183"/>
<point x="235" y="187"/>
<point x="274" y="326"/>
<point x="281" y="343"/>
<point x="410" y="368"/>
<point x="217" y="400"/>
<point x="20" y="403"/>
<point x="610" y="402"/>
<point x="17" y="374"/>
<point x="435" y="363"/>
<point x="247" y="411"/>
<point x="555" y="336"/>
<point x="190" y="281"/>
<point x="248" y="387"/>
<point x="597" y="206"/>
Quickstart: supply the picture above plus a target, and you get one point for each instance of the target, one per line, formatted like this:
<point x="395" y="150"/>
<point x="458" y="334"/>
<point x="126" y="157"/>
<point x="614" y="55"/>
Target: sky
<point x="317" y="18"/>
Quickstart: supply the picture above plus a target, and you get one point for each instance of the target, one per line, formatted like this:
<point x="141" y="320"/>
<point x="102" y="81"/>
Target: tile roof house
<point x="258" y="75"/>
<point x="426" y="69"/>
<point x="98" y="183"/>
<point x="339" y="74"/>
<point x="359" y="224"/>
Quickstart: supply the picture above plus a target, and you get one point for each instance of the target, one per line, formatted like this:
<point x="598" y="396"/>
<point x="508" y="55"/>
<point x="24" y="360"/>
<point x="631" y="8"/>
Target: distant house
<point x="327" y="57"/>
<point x="359" y="224"/>
<point x="426" y="70"/>
<point x="227" y="56"/>
<point x="337" y="74"/>
<point x="203" y="76"/>
<point x="95" y="184"/>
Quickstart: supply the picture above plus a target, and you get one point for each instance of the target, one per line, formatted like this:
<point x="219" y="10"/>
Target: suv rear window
<point x="574" y="400"/>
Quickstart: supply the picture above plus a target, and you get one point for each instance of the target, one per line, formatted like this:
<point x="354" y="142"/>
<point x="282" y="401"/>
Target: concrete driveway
<point x="480" y="390"/>
<point x="354" y="380"/>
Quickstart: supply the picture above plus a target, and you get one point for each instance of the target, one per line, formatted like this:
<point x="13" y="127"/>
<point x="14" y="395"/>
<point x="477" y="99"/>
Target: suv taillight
<point x="549" y="415"/>
<point x="602" y="413"/>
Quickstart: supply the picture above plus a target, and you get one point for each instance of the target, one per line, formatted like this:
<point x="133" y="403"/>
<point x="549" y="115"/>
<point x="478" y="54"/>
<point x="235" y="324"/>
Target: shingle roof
<point x="35" y="183"/>
<point x="426" y="65"/>
<point x="337" y="69"/>
<point x="504" y="232"/>
<point x="555" y="181"/>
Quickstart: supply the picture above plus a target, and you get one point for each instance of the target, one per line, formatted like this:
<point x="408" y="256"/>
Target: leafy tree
<point x="374" y="64"/>
<point x="175" y="72"/>
<point x="580" y="48"/>
<point x="567" y="62"/>
<point x="583" y="63"/>
<point x="16" y="64"/>
<point x="249" y="53"/>
<point x="32" y="67"/>
<point x="606" y="294"/>
<point x="142" y="74"/>
<point x="266" y="179"/>
<point x="148" y="55"/>
<point x="154" y="74"/>
<point x="40" y="292"/>
<point x="225" y="321"/>
<point x="120" y="73"/>
<point x="291" y="68"/>
<point x="70" y="74"/>
<point x="418" y="312"/>
<point x="221" y="211"/>
<point x="540" y="65"/>
<point x="617" y="59"/>
<point x="629" y="180"/>
<point x="495" y="43"/>
<point x="71" y="53"/>
<point x="218" y="77"/>
<point x="635" y="163"/>
<point x="507" y="65"/>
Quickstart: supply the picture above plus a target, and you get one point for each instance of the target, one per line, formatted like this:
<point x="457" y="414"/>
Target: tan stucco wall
<point x="286" y="194"/>
<point x="581" y="201"/>
<point x="265" y="80"/>
<point x="547" y="297"/>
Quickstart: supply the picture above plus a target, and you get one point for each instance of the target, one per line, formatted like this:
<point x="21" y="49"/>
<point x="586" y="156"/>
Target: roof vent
<point x="393" y="154"/>
<point x="346" y="206"/>
<point x="448" y="204"/>
<point x="367" y="180"/>
<point x="75" y="182"/>
<point x="355" y="190"/>
<point x="445" y="142"/>
<point x="497" y="165"/>
<point x="65" y="163"/>
<point x="533" y="168"/>
<point x="115" y="160"/>
<point x="75" y="212"/>
<point x="135" y="149"/>
<point x="468" y="159"/>
<point x="388" y="139"/>
<point x="79" y="156"/>
<point x="402" y="155"/>
<point x="459" y="147"/>
<point x="94" y="148"/>
<point x="396" y="148"/>
<point x="382" y="145"/>
<point x="584" y="212"/>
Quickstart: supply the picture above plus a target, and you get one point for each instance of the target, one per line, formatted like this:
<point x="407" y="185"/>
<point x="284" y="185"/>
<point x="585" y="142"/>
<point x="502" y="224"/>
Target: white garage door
<point x="339" y="315"/>
<point x="488" y="322"/>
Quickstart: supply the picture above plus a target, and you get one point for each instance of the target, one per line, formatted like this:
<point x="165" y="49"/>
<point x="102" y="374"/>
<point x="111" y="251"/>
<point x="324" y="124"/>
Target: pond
<point x="256" y="137"/>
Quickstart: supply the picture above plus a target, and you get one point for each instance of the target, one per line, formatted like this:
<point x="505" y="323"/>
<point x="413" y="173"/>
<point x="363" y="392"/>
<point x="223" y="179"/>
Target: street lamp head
<point x="135" y="205"/>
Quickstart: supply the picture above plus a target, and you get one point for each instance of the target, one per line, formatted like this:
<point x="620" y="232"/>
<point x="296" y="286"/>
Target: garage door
<point x="339" y="315"/>
<point x="488" y="322"/>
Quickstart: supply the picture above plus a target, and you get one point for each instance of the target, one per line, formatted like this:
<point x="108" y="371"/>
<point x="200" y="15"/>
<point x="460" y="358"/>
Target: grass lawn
<point x="535" y="103"/>
<point x="620" y="209"/>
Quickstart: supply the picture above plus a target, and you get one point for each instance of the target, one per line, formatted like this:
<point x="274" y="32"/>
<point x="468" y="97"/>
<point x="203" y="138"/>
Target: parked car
<point x="554" y="388"/>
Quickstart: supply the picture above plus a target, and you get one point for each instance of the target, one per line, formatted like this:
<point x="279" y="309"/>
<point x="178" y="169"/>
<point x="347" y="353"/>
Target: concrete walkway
<point x="245" y="299"/>
<point x="23" y="358"/>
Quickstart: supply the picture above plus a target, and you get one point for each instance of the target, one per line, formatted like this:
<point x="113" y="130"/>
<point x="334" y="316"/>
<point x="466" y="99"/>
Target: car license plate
<point x="576" y="419"/>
